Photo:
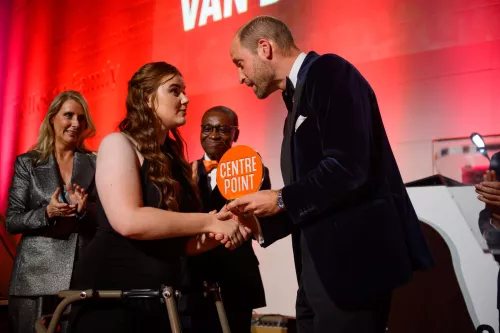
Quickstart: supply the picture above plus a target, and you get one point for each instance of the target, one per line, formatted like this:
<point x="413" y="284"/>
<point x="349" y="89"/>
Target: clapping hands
<point x="77" y="197"/>
<point x="55" y="208"/>
<point x="77" y="202"/>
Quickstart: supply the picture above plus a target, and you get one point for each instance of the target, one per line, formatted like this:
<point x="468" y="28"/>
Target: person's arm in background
<point x="489" y="189"/>
<point x="489" y="223"/>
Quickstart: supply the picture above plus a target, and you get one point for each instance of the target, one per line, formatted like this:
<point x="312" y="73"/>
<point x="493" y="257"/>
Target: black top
<point x="113" y="261"/>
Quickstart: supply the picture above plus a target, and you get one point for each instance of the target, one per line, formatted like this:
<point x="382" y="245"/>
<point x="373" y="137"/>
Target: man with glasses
<point x="236" y="271"/>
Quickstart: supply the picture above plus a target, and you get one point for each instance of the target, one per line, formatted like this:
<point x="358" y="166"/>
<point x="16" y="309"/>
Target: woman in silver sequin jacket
<point x="50" y="204"/>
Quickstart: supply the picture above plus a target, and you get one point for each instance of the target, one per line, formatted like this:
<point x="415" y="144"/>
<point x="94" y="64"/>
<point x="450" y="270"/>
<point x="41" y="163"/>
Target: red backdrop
<point x="435" y="66"/>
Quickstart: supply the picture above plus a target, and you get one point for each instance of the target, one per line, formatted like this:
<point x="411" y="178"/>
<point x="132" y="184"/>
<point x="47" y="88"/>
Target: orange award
<point x="240" y="172"/>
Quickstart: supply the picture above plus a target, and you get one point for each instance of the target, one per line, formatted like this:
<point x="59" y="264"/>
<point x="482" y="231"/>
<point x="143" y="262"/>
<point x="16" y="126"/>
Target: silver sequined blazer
<point x="45" y="254"/>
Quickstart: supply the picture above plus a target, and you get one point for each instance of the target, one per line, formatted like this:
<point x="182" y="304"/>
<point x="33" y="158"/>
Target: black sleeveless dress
<point x="114" y="262"/>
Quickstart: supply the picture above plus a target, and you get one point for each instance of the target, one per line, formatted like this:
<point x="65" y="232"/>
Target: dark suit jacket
<point x="236" y="271"/>
<point x="45" y="254"/>
<point x="343" y="189"/>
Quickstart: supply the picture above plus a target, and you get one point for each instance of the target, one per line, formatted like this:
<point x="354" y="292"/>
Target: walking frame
<point x="167" y="293"/>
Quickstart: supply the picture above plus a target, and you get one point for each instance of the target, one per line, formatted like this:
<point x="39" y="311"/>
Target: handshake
<point x="232" y="228"/>
<point x="237" y="221"/>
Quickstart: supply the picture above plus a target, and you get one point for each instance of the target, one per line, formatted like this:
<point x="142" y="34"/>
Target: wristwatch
<point x="279" y="201"/>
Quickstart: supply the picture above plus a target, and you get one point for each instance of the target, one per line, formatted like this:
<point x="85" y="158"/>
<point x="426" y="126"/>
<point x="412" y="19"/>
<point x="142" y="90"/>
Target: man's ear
<point x="236" y="135"/>
<point x="265" y="48"/>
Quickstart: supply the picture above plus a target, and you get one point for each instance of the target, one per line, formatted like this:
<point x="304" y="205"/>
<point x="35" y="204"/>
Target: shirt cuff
<point x="493" y="224"/>
<point x="258" y="232"/>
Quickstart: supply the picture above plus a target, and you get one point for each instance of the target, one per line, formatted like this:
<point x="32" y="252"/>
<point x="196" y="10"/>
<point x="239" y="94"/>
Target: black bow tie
<point x="288" y="94"/>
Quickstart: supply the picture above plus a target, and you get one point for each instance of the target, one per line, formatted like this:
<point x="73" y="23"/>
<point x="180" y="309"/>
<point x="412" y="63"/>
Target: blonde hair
<point x="45" y="142"/>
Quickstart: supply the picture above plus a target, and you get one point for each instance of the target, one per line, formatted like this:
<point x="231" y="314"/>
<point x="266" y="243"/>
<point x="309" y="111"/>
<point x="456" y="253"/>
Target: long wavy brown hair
<point x="142" y="125"/>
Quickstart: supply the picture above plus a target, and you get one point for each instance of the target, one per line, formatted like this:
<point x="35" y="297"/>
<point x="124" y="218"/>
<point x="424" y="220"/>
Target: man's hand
<point x="489" y="191"/>
<point x="261" y="203"/>
<point x="247" y="221"/>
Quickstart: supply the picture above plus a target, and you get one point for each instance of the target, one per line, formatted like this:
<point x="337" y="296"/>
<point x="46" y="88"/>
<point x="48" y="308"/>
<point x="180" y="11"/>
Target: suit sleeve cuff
<point x="45" y="218"/>
<point x="295" y="204"/>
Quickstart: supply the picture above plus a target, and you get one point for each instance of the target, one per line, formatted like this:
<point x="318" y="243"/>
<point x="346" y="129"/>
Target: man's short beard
<point x="263" y="76"/>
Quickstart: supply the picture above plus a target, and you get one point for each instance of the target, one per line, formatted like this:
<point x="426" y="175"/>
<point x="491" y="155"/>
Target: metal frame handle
<point x="71" y="296"/>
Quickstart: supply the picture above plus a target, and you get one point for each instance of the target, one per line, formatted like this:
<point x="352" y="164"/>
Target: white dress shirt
<point x="294" y="72"/>
<point x="293" y="76"/>
<point x="212" y="175"/>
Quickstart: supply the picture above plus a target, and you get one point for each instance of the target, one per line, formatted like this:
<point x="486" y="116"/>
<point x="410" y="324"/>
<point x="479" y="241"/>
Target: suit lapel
<point x="217" y="201"/>
<point x="295" y="111"/>
<point x="203" y="177"/>
<point x="287" y="165"/>
<point x="203" y="184"/>
<point x="49" y="173"/>
<point x="211" y="199"/>
<point x="287" y="153"/>
<point x="215" y="193"/>
<point x="83" y="171"/>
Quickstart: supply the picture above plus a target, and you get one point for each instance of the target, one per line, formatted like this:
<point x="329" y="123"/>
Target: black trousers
<point x="316" y="312"/>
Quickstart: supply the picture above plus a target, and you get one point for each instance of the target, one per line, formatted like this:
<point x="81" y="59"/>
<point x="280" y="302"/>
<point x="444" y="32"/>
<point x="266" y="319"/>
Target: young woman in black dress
<point x="146" y="211"/>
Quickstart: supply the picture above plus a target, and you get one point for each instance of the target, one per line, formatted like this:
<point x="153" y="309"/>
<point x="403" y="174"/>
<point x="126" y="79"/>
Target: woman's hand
<point x="228" y="230"/>
<point x="77" y="197"/>
<point x="59" y="209"/>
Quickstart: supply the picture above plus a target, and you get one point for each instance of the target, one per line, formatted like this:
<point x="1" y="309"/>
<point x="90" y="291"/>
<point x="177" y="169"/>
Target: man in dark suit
<point x="355" y="234"/>
<point x="236" y="271"/>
